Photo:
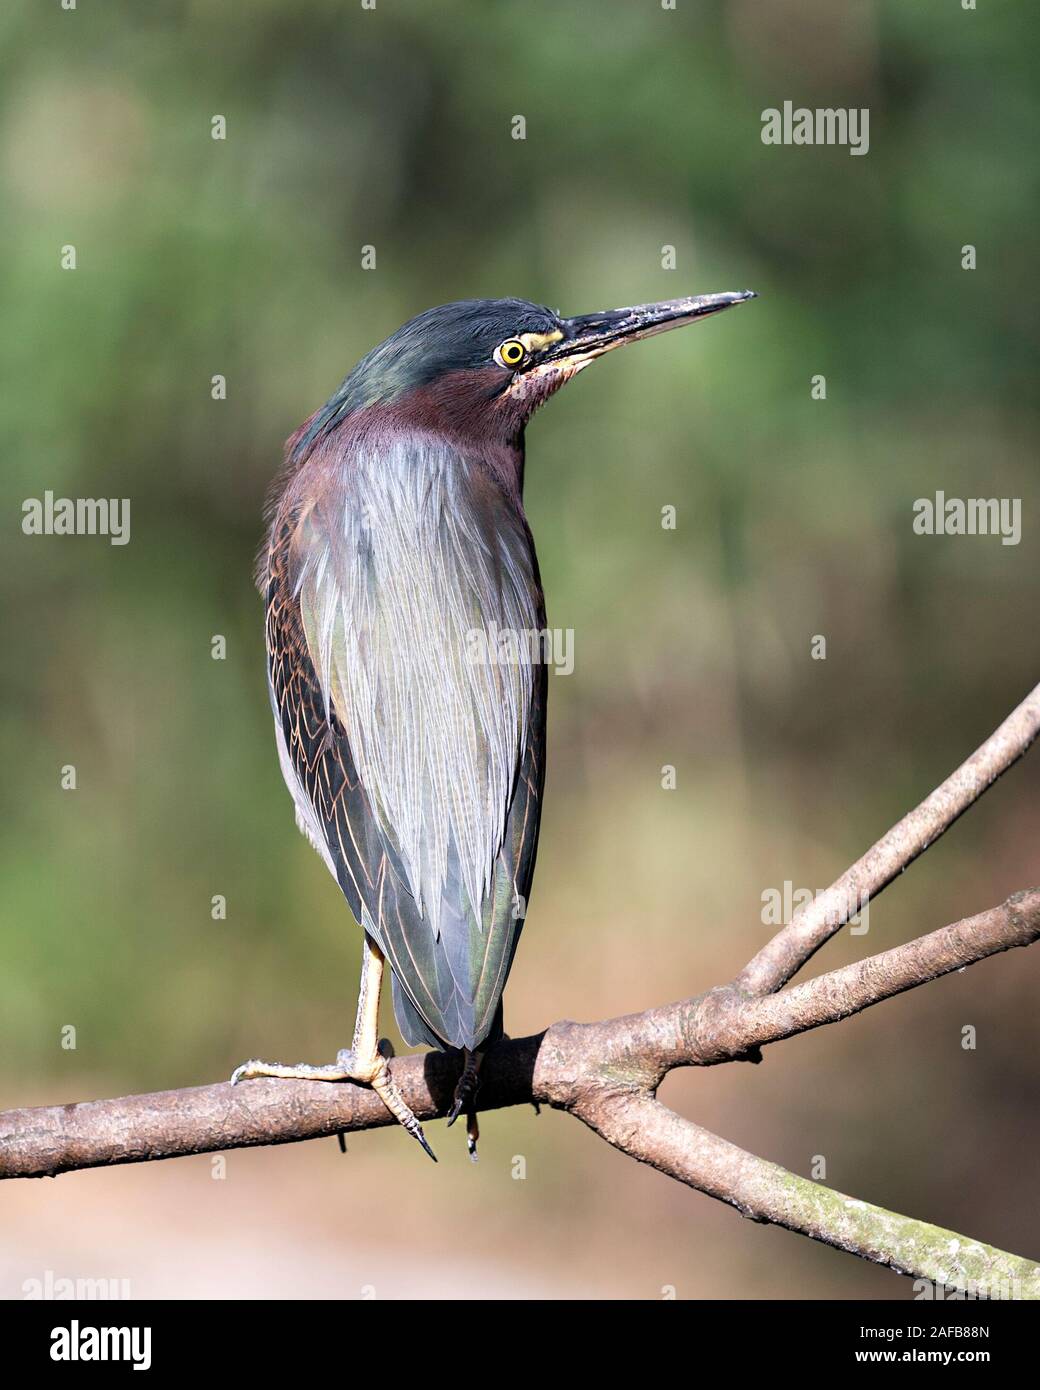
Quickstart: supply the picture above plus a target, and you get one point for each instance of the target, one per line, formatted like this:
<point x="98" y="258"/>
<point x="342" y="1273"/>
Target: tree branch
<point x="607" y="1073"/>
<point x="725" y="1026"/>
<point x="817" y="921"/>
<point x="855" y="987"/>
<point x="648" y="1131"/>
<point x="558" y="1067"/>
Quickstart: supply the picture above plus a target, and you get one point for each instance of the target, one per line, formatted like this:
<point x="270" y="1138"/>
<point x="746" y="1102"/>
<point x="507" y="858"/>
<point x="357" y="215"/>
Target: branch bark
<point x="650" y="1132"/>
<point x="607" y="1073"/>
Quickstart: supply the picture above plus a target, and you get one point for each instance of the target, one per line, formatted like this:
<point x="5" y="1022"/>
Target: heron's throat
<point x="534" y="387"/>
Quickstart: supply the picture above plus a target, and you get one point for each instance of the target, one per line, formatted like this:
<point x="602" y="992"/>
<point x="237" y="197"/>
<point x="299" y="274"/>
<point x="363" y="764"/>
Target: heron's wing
<point x="480" y="953"/>
<point x="415" y="761"/>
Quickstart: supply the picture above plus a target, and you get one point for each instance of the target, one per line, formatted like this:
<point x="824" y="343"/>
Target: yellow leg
<point x="364" y="1062"/>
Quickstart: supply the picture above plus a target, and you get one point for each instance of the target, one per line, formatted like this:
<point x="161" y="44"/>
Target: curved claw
<point x="418" y="1134"/>
<point x="245" y="1072"/>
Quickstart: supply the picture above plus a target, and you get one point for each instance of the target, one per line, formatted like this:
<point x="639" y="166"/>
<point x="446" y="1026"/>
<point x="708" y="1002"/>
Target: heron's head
<point x="482" y="366"/>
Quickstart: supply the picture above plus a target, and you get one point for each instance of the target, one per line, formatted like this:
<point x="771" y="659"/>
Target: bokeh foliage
<point x="243" y="257"/>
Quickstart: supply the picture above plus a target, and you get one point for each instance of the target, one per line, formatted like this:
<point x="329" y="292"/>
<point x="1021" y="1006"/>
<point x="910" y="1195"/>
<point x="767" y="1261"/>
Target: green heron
<point x="414" y="755"/>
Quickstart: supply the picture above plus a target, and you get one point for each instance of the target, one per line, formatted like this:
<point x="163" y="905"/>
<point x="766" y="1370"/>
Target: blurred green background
<point x="196" y="257"/>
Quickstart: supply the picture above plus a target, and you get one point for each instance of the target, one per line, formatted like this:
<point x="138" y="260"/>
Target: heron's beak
<point x="591" y="335"/>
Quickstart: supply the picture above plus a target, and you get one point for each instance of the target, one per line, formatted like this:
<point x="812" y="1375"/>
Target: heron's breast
<point x="420" y="603"/>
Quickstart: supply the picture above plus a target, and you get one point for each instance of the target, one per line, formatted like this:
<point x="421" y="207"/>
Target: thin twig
<point x="724" y="1026"/>
<point x="816" y="922"/>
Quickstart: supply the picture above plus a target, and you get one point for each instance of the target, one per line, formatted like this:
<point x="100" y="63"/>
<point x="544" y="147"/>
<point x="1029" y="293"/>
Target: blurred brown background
<point x="243" y="257"/>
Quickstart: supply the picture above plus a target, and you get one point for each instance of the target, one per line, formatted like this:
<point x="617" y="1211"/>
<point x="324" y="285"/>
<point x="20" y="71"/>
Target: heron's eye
<point x="510" y="353"/>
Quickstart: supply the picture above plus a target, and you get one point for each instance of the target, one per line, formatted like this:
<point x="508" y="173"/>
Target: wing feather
<point x="416" y="763"/>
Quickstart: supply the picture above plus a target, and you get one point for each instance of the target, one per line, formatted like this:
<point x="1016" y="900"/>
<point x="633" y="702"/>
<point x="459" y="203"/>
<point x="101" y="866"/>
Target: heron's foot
<point x="301" y="1071"/>
<point x="348" y="1066"/>
<point x="463" y="1099"/>
<point x="472" y="1135"/>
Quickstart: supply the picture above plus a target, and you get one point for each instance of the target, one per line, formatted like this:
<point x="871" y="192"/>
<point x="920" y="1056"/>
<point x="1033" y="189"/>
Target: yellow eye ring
<point x="510" y="353"/>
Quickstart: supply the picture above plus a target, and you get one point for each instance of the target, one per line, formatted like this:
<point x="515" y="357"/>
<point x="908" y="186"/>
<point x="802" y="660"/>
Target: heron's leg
<point x="465" y="1092"/>
<point x="368" y="1055"/>
<point x="364" y="1062"/>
